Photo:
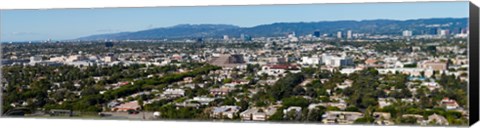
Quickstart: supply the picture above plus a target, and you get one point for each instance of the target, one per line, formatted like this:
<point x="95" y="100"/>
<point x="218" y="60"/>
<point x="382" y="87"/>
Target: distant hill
<point x="387" y="27"/>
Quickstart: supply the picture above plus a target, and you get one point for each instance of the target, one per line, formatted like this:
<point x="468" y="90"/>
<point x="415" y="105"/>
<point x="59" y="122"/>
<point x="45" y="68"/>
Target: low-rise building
<point x="345" y="84"/>
<point x="449" y="104"/>
<point x="432" y="85"/>
<point x="341" y="117"/>
<point x="310" y="61"/>
<point x="382" y="102"/>
<point x="383" y="118"/>
<point x="224" y="111"/>
<point x="220" y="91"/>
<point x="187" y="105"/>
<point x="336" y="61"/>
<point x="408" y="71"/>
<point x="435" y="65"/>
<point x="202" y="100"/>
<point x="173" y="92"/>
<point x="340" y="105"/>
<point x="258" y="113"/>
<point x="278" y="70"/>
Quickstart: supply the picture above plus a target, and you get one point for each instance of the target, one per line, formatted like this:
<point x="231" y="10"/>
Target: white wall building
<point x="443" y="32"/>
<point x="336" y="61"/>
<point x="407" y="33"/>
<point x="339" y="34"/>
<point x="35" y="59"/>
<point x="311" y="61"/>
<point x="349" y="34"/>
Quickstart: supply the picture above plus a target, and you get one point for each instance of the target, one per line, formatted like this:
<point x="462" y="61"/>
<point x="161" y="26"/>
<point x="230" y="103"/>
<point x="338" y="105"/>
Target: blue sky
<point x="60" y="24"/>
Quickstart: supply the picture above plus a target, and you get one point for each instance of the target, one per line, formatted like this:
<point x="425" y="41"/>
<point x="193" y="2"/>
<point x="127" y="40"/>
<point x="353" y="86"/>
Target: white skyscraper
<point x="349" y="34"/>
<point x="407" y="33"/>
<point x="339" y="34"/>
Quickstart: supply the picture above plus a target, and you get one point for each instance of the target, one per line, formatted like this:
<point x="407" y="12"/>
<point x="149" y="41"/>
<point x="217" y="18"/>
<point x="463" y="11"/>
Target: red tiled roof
<point x="286" y="67"/>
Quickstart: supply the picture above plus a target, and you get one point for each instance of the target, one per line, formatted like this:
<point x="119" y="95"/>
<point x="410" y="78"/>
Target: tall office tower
<point x="349" y="34"/>
<point x="199" y="40"/>
<point x="339" y="34"/>
<point x="245" y="37"/>
<point x="433" y="31"/>
<point x="108" y="44"/>
<point x="316" y="33"/>
<point x="407" y="33"/>
<point x="457" y="30"/>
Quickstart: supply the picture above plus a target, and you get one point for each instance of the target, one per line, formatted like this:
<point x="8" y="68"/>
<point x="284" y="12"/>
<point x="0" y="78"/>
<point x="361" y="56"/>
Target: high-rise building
<point x="407" y="33"/>
<point x="225" y="37"/>
<point x="444" y="32"/>
<point x="108" y="44"/>
<point x="349" y="34"/>
<point x="316" y="33"/>
<point x="339" y="34"/>
<point x="457" y="30"/>
<point x="463" y="31"/>
<point x="245" y="37"/>
<point x="433" y="31"/>
<point x="199" y="40"/>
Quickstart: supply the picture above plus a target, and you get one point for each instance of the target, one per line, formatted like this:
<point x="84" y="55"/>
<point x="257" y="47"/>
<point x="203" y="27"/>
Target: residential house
<point x="133" y="105"/>
<point x="224" y="111"/>
<point x="340" y="105"/>
<point x="432" y="85"/>
<point x="383" y="118"/>
<point x="382" y="102"/>
<point x="220" y="91"/>
<point x="345" y="84"/>
<point x="449" y="104"/>
<point x="173" y="92"/>
<point x="187" y="105"/>
<point x="202" y="100"/>
<point x="258" y="113"/>
<point x="310" y="61"/>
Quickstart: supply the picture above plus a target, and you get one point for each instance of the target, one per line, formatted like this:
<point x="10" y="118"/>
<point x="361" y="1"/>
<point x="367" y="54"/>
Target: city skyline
<point x="370" y="64"/>
<point x="57" y="24"/>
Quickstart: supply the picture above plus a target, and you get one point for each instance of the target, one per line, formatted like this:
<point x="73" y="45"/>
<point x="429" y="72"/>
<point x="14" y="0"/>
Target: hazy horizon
<point x="64" y="24"/>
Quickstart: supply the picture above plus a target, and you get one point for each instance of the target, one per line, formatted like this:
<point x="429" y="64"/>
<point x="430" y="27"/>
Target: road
<point x="125" y="115"/>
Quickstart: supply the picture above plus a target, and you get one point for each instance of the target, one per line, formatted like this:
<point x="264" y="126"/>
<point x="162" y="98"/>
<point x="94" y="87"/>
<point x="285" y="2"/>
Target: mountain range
<point x="380" y="26"/>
